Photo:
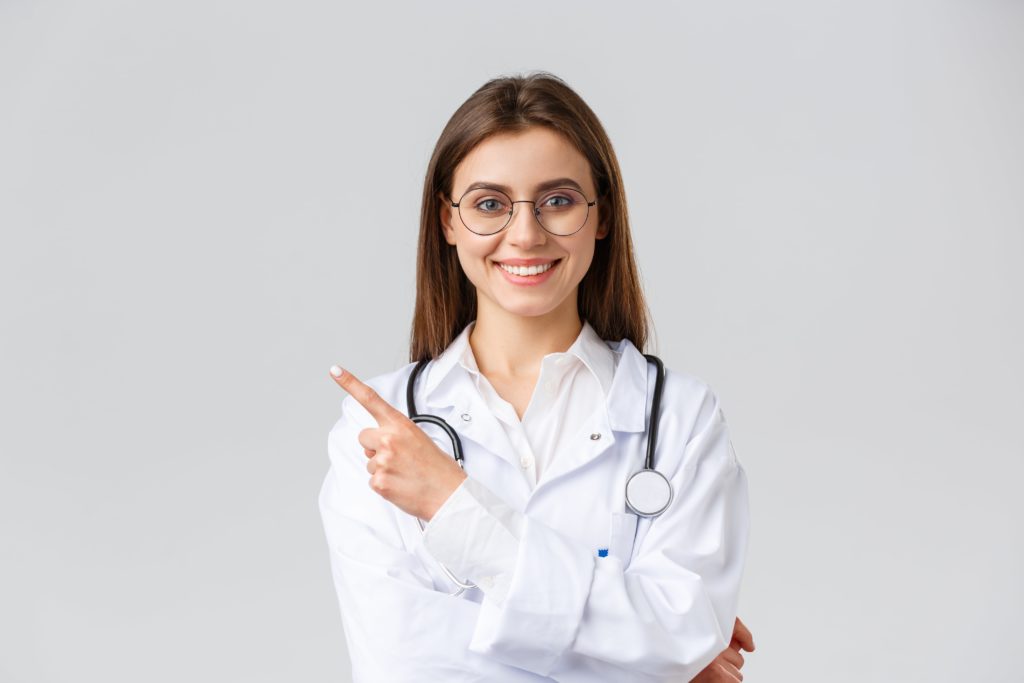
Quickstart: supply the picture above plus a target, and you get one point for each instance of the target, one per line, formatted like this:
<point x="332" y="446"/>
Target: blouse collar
<point x="596" y="354"/>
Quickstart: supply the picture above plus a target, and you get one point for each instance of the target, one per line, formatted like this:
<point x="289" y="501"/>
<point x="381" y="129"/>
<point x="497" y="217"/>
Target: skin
<point x="515" y="327"/>
<point x="725" y="668"/>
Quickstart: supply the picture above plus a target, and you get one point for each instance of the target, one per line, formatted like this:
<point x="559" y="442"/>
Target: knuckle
<point x="372" y="398"/>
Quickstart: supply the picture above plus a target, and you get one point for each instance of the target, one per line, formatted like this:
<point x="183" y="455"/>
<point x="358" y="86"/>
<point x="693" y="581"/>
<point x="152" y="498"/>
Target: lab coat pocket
<point x="623" y="532"/>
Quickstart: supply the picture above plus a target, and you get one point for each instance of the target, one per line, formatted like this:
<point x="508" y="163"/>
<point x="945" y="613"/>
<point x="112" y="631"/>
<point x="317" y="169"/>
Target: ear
<point x="446" y="213"/>
<point x="602" y="228"/>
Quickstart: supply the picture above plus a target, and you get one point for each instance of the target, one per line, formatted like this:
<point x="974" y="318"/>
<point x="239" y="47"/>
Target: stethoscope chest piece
<point x="648" y="493"/>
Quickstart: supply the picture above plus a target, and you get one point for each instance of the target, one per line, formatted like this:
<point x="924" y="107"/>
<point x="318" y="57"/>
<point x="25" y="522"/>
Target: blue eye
<point x="488" y="205"/>
<point x="566" y="201"/>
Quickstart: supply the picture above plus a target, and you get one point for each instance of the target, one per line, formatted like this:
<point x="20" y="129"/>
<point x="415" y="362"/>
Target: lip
<point x="528" y="280"/>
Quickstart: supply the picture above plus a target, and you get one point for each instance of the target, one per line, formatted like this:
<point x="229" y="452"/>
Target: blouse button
<point x="526" y="461"/>
<point x="550" y="386"/>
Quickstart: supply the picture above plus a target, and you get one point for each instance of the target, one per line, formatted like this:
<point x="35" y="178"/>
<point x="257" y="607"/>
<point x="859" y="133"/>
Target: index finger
<point x="381" y="410"/>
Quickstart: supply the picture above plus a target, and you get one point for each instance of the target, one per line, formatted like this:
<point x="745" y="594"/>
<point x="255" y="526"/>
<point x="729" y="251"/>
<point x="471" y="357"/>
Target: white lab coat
<point x="659" y="607"/>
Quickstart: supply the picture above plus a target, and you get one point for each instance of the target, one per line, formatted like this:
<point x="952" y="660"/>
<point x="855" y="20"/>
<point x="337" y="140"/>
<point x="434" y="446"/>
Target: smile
<point x="528" y="275"/>
<point x="527" y="270"/>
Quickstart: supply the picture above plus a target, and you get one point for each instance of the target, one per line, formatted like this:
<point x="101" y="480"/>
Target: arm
<point x="397" y="626"/>
<point x="562" y="609"/>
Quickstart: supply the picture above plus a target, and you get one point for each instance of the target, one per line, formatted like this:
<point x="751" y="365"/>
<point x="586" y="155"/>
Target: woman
<point x="529" y="565"/>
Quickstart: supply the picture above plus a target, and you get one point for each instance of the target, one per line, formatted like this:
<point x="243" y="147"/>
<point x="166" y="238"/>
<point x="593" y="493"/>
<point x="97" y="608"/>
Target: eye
<point x="557" y="201"/>
<point x="489" y="205"/>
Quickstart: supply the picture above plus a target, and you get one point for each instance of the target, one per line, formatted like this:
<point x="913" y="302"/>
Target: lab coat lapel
<point x="456" y="399"/>
<point x="460" y="404"/>
<point x="624" y="411"/>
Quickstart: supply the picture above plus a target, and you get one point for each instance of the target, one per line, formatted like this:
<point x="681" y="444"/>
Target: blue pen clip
<point x="602" y="552"/>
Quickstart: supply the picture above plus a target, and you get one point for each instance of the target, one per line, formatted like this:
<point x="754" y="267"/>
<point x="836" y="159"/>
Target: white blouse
<point x="583" y="373"/>
<point x="571" y="386"/>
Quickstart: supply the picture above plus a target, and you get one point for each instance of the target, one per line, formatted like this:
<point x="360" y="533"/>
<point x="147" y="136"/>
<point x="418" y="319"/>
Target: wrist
<point x="449" y="489"/>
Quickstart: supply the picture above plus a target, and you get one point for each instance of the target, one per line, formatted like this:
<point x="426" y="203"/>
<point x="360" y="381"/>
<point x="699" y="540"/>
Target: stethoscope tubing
<point x="652" y="436"/>
<point x="652" y="424"/>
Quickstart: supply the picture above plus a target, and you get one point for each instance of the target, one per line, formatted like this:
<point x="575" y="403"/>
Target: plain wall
<point x="826" y="200"/>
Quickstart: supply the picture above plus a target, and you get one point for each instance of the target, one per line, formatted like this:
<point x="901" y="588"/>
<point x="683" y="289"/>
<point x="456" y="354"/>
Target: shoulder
<point x="691" y="416"/>
<point x="691" y="422"/>
<point x="690" y="401"/>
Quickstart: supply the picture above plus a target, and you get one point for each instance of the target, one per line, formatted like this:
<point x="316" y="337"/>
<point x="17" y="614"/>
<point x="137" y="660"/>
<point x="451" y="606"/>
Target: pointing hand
<point x="407" y="468"/>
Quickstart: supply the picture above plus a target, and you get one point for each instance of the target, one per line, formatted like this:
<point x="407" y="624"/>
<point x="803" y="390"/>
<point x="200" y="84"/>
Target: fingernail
<point x="336" y="370"/>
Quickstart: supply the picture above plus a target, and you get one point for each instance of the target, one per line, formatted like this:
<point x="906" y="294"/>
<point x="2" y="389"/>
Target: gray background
<point x="206" y="204"/>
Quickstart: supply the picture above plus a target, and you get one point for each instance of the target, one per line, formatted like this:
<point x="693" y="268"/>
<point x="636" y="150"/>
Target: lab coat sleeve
<point x="476" y="528"/>
<point x="397" y="625"/>
<point x="665" y="617"/>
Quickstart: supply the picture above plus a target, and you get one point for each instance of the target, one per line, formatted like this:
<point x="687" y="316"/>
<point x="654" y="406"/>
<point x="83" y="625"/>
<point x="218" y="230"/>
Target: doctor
<point x="526" y="564"/>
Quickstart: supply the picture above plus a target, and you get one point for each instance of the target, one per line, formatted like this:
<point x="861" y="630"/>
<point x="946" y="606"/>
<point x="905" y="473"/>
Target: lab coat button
<point x="595" y="436"/>
<point x="467" y="417"/>
<point x="526" y="461"/>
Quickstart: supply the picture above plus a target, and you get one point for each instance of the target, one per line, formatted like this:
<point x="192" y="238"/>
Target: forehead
<point x="523" y="160"/>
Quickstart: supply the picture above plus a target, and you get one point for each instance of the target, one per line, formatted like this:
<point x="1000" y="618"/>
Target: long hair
<point x="610" y="295"/>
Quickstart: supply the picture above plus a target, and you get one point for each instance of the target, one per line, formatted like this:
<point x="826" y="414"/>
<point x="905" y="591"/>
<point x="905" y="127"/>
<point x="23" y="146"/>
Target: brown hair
<point x="610" y="297"/>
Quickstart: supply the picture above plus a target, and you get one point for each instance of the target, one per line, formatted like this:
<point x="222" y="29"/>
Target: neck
<point x="509" y="345"/>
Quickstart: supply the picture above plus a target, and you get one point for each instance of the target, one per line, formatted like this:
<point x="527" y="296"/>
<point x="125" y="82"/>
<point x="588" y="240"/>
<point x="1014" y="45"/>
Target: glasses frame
<point x="536" y="211"/>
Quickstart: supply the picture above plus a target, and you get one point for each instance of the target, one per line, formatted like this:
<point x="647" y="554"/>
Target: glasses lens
<point x="562" y="211"/>
<point x="485" y="211"/>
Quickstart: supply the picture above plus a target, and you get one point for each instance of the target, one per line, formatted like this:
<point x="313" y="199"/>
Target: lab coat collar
<point x="619" y="367"/>
<point x="456" y="400"/>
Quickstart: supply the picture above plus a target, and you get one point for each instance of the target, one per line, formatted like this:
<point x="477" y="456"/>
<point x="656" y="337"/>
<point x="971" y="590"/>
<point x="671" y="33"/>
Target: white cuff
<point x="476" y="535"/>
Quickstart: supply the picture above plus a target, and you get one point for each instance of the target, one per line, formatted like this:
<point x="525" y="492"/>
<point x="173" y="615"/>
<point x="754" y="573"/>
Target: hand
<point x="725" y="668"/>
<point x="407" y="467"/>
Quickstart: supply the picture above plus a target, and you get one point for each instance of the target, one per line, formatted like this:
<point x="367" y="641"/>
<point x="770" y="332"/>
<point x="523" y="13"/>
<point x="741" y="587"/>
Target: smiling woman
<point x="559" y="229"/>
<point x="526" y="557"/>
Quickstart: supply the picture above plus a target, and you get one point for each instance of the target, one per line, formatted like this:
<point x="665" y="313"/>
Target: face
<point x="522" y="162"/>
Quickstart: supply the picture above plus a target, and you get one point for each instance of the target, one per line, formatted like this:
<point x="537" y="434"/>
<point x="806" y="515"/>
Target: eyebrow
<point x="546" y="185"/>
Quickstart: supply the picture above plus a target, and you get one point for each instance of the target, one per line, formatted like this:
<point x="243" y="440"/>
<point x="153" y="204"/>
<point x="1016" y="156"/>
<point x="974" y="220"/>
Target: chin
<point x="524" y="308"/>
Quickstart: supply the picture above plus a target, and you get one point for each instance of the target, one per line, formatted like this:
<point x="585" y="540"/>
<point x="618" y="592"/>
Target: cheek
<point x="473" y="259"/>
<point x="582" y="260"/>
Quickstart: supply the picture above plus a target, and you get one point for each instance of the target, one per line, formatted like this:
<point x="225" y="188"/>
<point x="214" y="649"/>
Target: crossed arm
<point x="566" y="611"/>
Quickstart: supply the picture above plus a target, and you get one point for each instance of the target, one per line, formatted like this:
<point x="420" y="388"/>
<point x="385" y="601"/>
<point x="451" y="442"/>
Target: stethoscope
<point x="648" y="491"/>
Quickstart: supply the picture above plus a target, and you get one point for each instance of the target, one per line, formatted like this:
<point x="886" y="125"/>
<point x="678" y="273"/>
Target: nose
<point x="524" y="229"/>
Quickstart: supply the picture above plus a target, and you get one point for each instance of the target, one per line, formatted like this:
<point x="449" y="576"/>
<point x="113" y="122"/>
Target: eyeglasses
<point x="562" y="211"/>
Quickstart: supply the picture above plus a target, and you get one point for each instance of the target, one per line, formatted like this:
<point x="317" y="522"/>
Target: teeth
<point x="526" y="270"/>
